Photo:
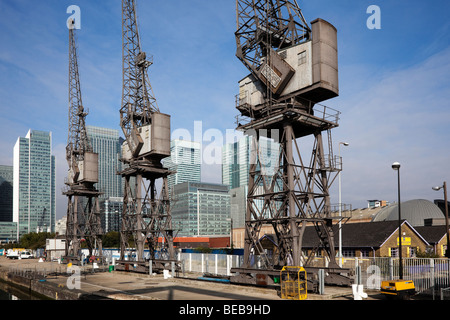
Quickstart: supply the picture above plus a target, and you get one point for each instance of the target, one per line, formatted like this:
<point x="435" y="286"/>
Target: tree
<point x="35" y="240"/>
<point x="426" y="254"/>
<point x="111" y="240"/>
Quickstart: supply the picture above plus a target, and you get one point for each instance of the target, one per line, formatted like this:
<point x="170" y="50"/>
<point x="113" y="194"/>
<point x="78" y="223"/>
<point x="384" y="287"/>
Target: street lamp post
<point x="447" y="252"/>
<point x="340" y="205"/>
<point x="396" y="167"/>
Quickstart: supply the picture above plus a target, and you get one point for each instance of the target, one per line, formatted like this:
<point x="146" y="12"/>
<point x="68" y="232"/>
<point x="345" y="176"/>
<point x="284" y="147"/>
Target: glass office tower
<point x="34" y="205"/>
<point x="236" y="160"/>
<point x="237" y="156"/>
<point x="6" y="193"/>
<point x="106" y="143"/>
<point x="185" y="161"/>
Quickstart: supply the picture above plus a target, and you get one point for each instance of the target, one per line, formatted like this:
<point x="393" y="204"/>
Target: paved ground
<point x="132" y="286"/>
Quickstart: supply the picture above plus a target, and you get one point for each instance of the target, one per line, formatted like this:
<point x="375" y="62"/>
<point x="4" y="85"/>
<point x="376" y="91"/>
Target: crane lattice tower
<point x="146" y="214"/>
<point x="83" y="211"/>
<point x="293" y="67"/>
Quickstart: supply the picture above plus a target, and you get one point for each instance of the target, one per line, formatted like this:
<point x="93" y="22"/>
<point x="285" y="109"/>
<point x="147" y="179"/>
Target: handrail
<point x="318" y="111"/>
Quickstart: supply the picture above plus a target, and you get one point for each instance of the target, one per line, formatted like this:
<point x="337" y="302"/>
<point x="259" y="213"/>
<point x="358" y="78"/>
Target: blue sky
<point x="394" y="82"/>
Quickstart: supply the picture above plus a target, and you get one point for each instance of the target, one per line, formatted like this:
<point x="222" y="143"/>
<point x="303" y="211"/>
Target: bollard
<point x="391" y="269"/>
<point x="173" y="269"/>
<point x="358" y="279"/>
<point x="321" y="281"/>
<point x="183" y="268"/>
<point x="190" y="262"/>
<point x="150" y="267"/>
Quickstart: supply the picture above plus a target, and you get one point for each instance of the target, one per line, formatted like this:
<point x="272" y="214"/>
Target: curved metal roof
<point x="414" y="211"/>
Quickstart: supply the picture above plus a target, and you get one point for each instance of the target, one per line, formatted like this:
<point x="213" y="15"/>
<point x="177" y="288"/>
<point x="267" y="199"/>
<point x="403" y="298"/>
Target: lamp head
<point x="436" y="188"/>
<point x="396" y="166"/>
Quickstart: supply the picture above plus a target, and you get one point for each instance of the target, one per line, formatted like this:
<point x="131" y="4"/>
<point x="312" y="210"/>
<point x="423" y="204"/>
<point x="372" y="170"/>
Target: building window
<point x="348" y="252"/>
<point x="394" y="252"/>
<point x="365" y="253"/>
<point x="302" y="58"/>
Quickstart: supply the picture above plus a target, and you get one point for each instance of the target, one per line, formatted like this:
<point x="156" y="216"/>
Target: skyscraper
<point x="236" y="161"/>
<point x="8" y="229"/>
<point x="34" y="205"/>
<point x="6" y="193"/>
<point x="185" y="160"/>
<point x="105" y="142"/>
<point x="237" y="157"/>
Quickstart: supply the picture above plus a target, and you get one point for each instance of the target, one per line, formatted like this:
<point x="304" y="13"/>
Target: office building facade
<point x="236" y="160"/>
<point x="112" y="218"/>
<point x="106" y="143"/>
<point x="237" y="157"/>
<point x="6" y="193"/>
<point x="184" y="161"/>
<point x="8" y="232"/>
<point x="34" y="205"/>
<point x="201" y="209"/>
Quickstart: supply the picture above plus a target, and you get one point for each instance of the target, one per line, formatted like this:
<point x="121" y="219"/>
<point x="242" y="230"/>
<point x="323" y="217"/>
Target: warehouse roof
<point x="414" y="211"/>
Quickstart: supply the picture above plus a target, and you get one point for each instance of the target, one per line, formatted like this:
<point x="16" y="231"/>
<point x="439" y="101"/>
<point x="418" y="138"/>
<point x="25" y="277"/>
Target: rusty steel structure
<point x="83" y="212"/>
<point x="146" y="216"/>
<point x="293" y="68"/>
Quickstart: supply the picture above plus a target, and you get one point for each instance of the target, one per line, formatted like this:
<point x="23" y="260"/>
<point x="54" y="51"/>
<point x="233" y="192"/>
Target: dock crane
<point x="83" y="211"/>
<point x="146" y="215"/>
<point x="293" y="68"/>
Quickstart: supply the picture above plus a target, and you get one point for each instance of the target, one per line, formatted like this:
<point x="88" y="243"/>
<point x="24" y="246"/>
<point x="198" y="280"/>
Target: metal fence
<point x="429" y="275"/>
<point x="445" y="293"/>
<point x="218" y="264"/>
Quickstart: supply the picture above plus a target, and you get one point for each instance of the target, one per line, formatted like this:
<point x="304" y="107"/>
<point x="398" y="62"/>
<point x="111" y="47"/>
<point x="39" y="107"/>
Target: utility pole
<point x="396" y="167"/>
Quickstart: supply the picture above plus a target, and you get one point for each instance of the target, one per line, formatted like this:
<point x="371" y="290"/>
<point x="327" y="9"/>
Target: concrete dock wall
<point x="40" y="287"/>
